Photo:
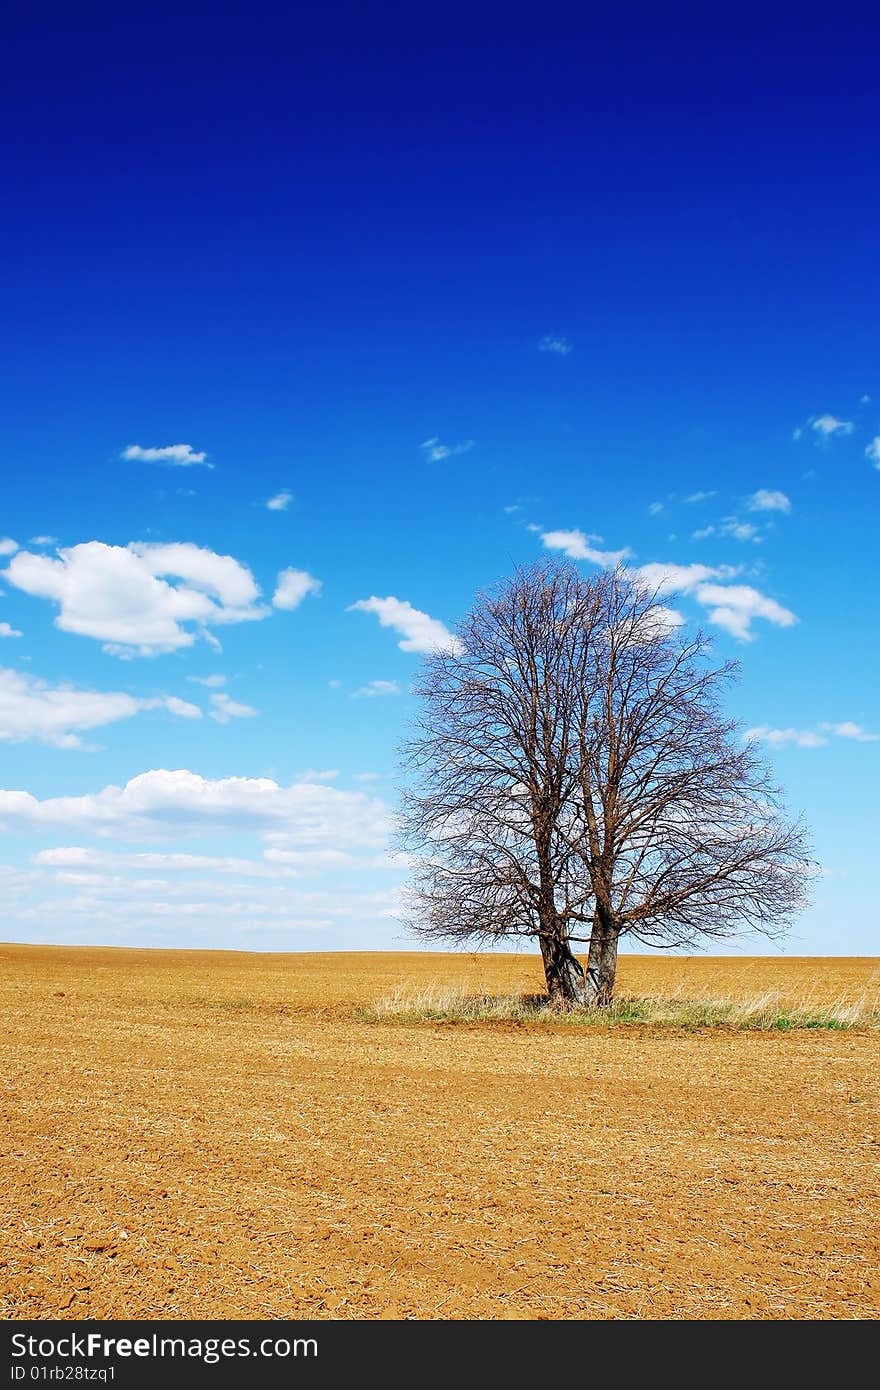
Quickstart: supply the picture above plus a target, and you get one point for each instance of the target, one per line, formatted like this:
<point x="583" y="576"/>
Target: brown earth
<point x="211" y="1134"/>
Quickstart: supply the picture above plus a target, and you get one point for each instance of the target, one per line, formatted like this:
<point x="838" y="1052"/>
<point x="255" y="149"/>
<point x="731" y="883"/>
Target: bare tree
<point x="573" y="780"/>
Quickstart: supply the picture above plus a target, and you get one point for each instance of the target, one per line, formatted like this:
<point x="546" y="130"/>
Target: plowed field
<point x="191" y="1134"/>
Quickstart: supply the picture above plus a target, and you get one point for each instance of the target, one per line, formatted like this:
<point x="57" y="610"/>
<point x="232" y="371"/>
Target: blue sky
<point x="451" y="291"/>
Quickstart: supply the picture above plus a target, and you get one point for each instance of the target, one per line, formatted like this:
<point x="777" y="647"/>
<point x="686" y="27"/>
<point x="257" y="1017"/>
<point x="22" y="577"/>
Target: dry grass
<point x="437" y="1003"/>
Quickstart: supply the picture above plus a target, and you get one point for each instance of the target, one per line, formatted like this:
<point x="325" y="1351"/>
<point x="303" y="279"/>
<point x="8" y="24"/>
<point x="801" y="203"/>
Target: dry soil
<point x="211" y="1134"/>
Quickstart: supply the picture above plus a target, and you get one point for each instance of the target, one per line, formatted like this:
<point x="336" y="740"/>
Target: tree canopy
<point x="574" y="779"/>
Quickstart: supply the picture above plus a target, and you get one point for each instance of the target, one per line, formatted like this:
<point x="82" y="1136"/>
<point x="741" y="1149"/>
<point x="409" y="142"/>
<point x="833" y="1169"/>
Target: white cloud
<point x="312" y="774"/>
<point x="280" y="502"/>
<point x="7" y="631"/>
<point x="828" y="425"/>
<point x="117" y="910"/>
<point x="739" y="530"/>
<point x="212" y="682"/>
<point x="660" y="620"/>
<point x="660" y="578"/>
<point x="553" y="343"/>
<point x="702" y="533"/>
<point x="181" y="803"/>
<point x="576" y="545"/>
<point x="8" y="546"/>
<point x="175" y="455"/>
<point x="732" y="607"/>
<point x="376" y="688"/>
<point x="873" y="451"/>
<point x="778" y="738"/>
<point x="735" y="606"/>
<point x="182" y="708"/>
<point x="701" y="496"/>
<point x="314" y="860"/>
<point x="654" y="508"/>
<point x="292" y="587"/>
<point x="230" y="582"/>
<point x="156" y="898"/>
<point x="43" y="540"/>
<point x="434" y="451"/>
<point x="33" y="709"/>
<point x="420" y="632"/>
<point x="81" y="857"/>
<point x="764" y="500"/>
<point x="810" y="738"/>
<point x="854" y="731"/>
<point x="118" y="595"/>
<point x="223" y="709"/>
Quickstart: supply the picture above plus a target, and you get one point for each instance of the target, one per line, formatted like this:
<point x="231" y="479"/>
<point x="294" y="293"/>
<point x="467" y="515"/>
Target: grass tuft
<point x="759" y="1013"/>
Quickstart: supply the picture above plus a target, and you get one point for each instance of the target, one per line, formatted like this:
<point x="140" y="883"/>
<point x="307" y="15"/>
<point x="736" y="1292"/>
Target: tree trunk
<point x="602" y="960"/>
<point x="563" y="972"/>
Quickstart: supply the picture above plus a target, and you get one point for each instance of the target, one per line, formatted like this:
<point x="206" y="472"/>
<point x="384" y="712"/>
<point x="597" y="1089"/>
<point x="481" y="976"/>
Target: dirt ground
<point x="191" y="1134"/>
